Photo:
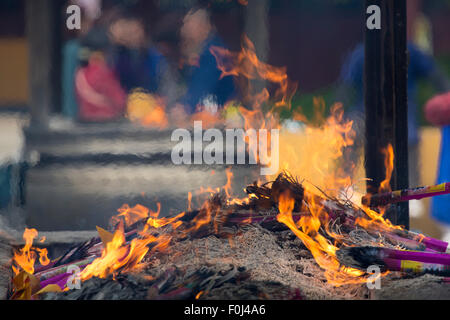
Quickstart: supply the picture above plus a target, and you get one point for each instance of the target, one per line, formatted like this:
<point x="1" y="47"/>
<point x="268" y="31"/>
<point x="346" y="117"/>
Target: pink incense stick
<point x="50" y="273"/>
<point x="417" y="267"/>
<point x="55" y="280"/>
<point x="431" y="243"/>
<point x="425" y="257"/>
<point x="382" y="199"/>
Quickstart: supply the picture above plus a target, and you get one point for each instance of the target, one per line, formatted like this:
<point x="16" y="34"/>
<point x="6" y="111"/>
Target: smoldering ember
<point x="319" y="210"/>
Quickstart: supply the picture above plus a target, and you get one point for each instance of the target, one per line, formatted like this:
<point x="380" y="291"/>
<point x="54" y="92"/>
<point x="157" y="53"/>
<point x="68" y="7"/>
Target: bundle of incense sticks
<point x="408" y="239"/>
<point x="407" y="244"/>
<point x="250" y="218"/>
<point x="56" y="273"/>
<point x="396" y="260"/>
<point x="383" y="199"/>
<point x="430" y="243"/>
<point x="53" y="272"/>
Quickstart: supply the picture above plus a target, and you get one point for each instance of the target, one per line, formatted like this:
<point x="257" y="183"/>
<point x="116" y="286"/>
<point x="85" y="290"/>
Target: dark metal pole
<point x="385" y="89"/>
<point x="401" y="106"/>
<point x="41" y="40"/>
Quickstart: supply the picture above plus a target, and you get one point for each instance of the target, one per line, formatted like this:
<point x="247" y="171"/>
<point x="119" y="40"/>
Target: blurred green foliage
<point x="303" y="101"/>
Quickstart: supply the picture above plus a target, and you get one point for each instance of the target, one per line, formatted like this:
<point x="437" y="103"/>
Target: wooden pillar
<point x="40" y="18"/>
<point x="385" y="94"/>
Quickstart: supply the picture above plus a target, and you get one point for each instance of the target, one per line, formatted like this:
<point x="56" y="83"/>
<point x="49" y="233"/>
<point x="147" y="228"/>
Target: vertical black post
<point x="401" y="106"/>
<point x="57" y="49"/>
<point x="41" y="42"/>
<point x="385" y="90"/>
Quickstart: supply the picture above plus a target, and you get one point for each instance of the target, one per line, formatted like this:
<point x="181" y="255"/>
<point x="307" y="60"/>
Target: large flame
<point x="123" y="256"/>
<point x="317" y="153"/>
<point x="377" y="220"/>
<point x="324" y="252"/>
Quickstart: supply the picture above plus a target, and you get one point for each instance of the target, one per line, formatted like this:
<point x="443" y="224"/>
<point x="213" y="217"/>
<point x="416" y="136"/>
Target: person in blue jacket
<point x="138" y="63"/>
<point x="203" y="76"/>
<point x="437" y="111"/>
<point x="421" y="66"/>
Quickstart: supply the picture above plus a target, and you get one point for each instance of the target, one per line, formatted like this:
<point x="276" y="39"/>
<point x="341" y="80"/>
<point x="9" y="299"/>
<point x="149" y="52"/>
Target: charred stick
<point x="177" y="294"/>
<point x="249" y="218"/>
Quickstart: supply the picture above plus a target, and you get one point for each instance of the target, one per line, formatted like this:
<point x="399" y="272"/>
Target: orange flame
<point x="385" y="185"/>
<point x="117" y="255"/>
<point x="377" y="220"/>
<point x="323" y="251"/>
<point x="247" y="65"/>
<point x="131" y="215"/>
<point x="26" y="257"/>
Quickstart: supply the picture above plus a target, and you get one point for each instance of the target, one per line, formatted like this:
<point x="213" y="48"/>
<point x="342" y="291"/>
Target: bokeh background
<point x="312" y="39"/>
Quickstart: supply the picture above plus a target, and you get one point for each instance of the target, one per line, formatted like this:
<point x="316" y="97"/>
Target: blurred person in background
<point x="437" y="111"/>
<point x="138" y="63"/>
<point x="90" y="11"/>
<point x="166" y="39"/>
<point x="421" y="66"/>
<point x="203" y="78"/>
<point x="100" y="95"/>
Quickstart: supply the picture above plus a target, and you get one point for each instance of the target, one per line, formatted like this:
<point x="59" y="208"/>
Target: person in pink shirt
<point x="100" y="95"/>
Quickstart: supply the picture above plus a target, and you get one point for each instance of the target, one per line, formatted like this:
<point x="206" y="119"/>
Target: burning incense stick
<point x="426" y="257"/>
<point x="383" y="199"/>
<point x="430" y="243"/>
<point x="408" y="244"/>
<point x="416" y="267"/>
<point x="63" y="269"/>
<point x="374" y="253"/>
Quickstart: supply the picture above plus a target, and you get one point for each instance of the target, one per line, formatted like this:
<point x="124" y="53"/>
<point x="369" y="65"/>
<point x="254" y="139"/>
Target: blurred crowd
<point x="115" y="54"/>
